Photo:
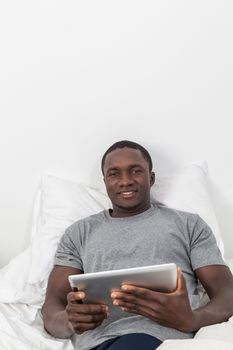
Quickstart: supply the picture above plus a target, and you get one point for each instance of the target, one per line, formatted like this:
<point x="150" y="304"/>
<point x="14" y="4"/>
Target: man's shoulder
<point x="177" y="213"/>
<point x="93" y="219"/>
<point x="185" y="221"/>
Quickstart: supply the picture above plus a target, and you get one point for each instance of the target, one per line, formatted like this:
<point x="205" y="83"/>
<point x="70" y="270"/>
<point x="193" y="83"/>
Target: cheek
<point x="111" y="183"/>
<point x="110" y="187"/>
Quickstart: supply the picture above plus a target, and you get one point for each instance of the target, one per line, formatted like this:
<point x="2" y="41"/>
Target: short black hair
<point x="128" y="144"/>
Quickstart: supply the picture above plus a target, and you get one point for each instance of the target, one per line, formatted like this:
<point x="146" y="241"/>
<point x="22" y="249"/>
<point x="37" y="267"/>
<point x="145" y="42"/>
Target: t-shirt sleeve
<point x="68" y="250"/>
<point x="203" y="247"/>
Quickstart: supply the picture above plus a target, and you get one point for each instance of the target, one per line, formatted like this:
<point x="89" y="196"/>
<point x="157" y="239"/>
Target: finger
<point x="124" y="299"/>
<point x="138" y="291"/>
<point x="137" y="296"/>
<point x="153" y="314"/>
<point x="180" y="280"/>
<point x="90" y="309"/>
<point x="147" y="312"/>
<point x="74" y="297"/>
<point x="121" y="298"/>
<point x="82" y="327"/>
<point x="143" y="293"/>
<point x="82" y="318"/>
<point x="141" y="310"/>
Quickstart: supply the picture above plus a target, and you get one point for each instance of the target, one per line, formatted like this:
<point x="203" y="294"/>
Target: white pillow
<point x="188" y="190"/>
<point x="63" y="202"/>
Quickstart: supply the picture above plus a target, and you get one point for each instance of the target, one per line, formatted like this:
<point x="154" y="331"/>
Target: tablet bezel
<point x="99" y="285"/>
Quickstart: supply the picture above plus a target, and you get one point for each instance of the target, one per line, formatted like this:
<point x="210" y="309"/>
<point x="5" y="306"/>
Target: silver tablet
<point x="98" y="285"/>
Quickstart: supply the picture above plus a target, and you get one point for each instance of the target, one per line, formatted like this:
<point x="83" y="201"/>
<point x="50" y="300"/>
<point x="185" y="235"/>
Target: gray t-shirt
<point x="158" y="235"/>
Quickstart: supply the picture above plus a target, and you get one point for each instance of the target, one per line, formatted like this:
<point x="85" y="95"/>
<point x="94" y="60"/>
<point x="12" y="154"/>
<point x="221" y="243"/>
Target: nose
<point x="125" y="180"/>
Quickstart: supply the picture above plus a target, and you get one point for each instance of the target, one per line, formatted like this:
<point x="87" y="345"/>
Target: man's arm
<point x="218" y="283"/>
<point x="63" y="311"/>
<point x="174" y="310"/>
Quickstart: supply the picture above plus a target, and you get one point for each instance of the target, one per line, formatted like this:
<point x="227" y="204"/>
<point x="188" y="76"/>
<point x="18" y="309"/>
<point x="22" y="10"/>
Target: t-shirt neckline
<point x="134" y="218"/>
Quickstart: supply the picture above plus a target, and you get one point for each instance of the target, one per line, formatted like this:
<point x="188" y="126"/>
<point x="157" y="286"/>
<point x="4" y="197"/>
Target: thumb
<point x="181" y="284"/>
<point x="75" y="297"/>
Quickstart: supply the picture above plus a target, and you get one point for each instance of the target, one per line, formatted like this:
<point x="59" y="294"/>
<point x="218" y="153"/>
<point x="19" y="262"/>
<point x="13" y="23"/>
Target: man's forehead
<point x="124" y="155"/>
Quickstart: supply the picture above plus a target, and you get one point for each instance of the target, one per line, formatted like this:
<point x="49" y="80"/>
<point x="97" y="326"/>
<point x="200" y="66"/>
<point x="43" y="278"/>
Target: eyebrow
<point x="131" y="167"/>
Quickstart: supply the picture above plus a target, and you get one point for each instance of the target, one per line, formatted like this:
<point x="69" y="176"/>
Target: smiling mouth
<point x="127" y="194"/>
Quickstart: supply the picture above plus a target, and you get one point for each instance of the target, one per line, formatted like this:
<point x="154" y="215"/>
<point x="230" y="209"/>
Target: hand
<point x="83" y="317"/>
<point x="168" y="309"/>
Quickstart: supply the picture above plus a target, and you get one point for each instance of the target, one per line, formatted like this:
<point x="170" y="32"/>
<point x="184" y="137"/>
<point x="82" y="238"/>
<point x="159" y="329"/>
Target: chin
<point x="128" y="207"/>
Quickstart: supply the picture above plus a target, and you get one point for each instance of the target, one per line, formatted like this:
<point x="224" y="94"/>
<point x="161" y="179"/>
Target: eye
<point x="136" y="171"/>
<point x="113" y="173"/>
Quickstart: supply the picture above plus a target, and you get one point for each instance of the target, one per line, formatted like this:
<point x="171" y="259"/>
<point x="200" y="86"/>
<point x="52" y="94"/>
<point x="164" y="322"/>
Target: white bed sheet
<point x="21" y="325"/>
<point x="21" y="328"/>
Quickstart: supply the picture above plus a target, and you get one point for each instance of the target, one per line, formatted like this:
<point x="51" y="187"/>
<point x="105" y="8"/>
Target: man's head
<point x="128" y="176"/>
<point x="128" y="144"/>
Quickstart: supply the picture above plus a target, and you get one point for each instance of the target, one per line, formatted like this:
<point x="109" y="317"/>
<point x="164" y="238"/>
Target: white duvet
<point x="21" y="328"/>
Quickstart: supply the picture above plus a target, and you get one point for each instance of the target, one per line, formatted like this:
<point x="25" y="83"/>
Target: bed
<point x="58" y="204"/>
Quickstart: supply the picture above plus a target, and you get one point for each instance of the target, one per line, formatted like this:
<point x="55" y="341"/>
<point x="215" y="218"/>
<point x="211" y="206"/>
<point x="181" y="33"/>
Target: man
<point x="133" y="233"/>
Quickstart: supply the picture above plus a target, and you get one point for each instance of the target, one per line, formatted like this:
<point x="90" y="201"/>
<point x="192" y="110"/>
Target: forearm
<point x="218" y="282"/>
<point x="218" y="309"/>
<point x="56" y="321"/>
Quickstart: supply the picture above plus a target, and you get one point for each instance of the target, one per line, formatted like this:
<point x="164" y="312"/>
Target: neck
<point x="118" y="212"/>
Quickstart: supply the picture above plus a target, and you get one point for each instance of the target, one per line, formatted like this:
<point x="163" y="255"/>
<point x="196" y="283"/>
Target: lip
<point x="127" y="194"/>
<point x="127" y="191"/>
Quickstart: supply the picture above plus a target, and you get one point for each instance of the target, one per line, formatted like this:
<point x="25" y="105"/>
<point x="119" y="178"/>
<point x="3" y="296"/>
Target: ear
<point x="152" y="178"/>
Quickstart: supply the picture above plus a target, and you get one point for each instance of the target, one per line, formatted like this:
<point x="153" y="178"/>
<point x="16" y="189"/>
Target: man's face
<point x="128" y="181"/>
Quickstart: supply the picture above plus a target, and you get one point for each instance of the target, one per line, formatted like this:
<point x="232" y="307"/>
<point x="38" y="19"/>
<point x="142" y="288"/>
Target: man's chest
<point x="131" y="246"/>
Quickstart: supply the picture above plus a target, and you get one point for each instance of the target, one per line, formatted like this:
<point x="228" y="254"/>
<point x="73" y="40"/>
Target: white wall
<point x="78" y="75"/>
